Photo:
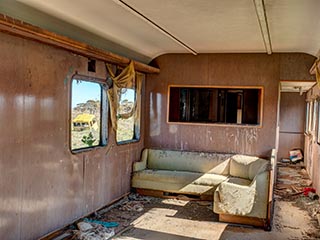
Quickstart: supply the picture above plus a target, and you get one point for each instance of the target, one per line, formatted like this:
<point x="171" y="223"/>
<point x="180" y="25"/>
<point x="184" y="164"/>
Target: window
<point x="88" y="113"/>
<point x="318" y="122"/>
<point x="215" y="105"/>
<point x="306" y="130"/>
<point x="127" y="123"/>
<point x="309" y="117"/>
<point x="314" y="117"/>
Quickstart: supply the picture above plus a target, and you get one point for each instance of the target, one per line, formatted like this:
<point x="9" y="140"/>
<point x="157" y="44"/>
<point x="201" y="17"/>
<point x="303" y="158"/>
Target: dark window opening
<point x="215" y="105"/>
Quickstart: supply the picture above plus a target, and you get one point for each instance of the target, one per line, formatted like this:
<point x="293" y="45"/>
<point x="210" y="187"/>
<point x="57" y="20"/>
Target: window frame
<point x="307" y="118"/>
<point x="314" y="116"/>
<point x="260" y="104"/>
<point x="318" y="122"/>
<point x="136" y="136"/>
<point x="104" y="111"/>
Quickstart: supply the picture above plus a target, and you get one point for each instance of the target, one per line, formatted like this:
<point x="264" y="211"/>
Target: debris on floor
<point x="297" y="216"/>
<point x="291" y="181"/>
<point x="294" y="185"/>
<point x="296" y="155"/>
<point x="92" y="231"/>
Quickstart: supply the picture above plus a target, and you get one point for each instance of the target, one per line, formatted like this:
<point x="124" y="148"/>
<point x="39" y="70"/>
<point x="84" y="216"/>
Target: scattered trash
<point x="84" y="226"/>
<point x="295" y="155"/>
<point x="308" y="190"/>
<point x="105" y="224"/>
<point x="132" y="206"/>
<point x="285" y="160"/>
<point x="97" y="232"/>
<point x="313" y="196"/>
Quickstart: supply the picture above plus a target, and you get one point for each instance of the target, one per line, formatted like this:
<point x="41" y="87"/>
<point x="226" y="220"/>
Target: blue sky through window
<point x="82" y="91"/>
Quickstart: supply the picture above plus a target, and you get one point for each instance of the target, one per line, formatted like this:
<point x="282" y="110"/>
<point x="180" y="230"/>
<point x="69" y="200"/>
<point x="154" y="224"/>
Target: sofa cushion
<point x="188" y="161"/>
<point x="258" y="166"/>
<point x="177" y="181"/>
<point x="180" y="177"/>
<point x="208" y="179"/>
<point x="240" y="166"/>
<point x="235" y="196"/>
<point x="167" y="176"/>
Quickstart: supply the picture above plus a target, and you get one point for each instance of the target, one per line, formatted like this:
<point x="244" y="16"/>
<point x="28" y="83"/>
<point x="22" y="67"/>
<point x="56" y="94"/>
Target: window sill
<point x="88" y="149"/>
<point x="128" y="142"/>
<point x="217" y="124"/>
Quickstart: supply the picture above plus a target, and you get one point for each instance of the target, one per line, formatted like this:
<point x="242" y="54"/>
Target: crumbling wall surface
<point x="43" y="186"/>
<point x="312" y="147"/>
<point x="220" y="70"/>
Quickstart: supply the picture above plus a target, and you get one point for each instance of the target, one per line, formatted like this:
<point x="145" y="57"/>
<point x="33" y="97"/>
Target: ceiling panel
<point x="110" y="20"/>
<point x="207" y="25"/>
<point x="294" y="25"/>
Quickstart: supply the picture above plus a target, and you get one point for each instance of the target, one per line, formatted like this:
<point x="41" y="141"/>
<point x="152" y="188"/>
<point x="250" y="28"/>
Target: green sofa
<point x="237" y="184"/>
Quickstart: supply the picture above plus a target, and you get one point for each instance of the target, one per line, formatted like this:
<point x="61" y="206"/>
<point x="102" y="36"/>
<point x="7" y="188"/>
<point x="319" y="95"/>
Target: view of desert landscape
<point x="86" y="115"/>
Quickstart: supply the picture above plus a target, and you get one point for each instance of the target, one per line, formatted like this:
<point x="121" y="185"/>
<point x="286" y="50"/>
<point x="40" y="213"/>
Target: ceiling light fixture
<point x="263" y="23"/>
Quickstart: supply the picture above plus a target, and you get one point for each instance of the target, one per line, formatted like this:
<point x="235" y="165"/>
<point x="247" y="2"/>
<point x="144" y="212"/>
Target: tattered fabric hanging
<point x="317" y="72"/>
<point x="126" y="79"/>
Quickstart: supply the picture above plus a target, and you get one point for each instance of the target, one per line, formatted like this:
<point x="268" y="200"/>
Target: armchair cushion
<point x="235" y="196"/>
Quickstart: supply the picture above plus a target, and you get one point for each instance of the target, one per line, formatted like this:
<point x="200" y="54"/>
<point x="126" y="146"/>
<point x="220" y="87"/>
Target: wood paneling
<point x="312" y="148"/>
<point x="288" y="141"/>
<point x="296" y="66"/>
<point x="214" y="70"/>
<point x="292" y="122"/>
<point x="43" y="185"/>
<point x="292" y="112"/>
<point x="219" y="70"/>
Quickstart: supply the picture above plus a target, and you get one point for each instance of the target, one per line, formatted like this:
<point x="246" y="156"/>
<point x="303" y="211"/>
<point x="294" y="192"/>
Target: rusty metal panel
<point x="43" y="186"/>
<point x="11" y="148"/>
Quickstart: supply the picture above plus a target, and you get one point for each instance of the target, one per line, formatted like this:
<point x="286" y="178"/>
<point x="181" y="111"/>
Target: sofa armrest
<point x="233" y="197"/>
<point x="244" y="200"/>
<point x="142" y="164"/>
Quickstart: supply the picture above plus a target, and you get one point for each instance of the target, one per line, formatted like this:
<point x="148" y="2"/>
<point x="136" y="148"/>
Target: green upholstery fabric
<point x="235" y="196"/>
<point x="139" y="166"/>
<point x="177" y="181"/>
<point x="167" y="176"/>
<point x="239" y="184"/>
<point x="242" y="197"/>
<point x="188" y="161"/>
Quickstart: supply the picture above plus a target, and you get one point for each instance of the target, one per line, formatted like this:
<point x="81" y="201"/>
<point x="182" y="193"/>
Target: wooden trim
<point x="252" y="221"/>
<point x="24" y="30"/>
<point x="261" y="103"/>
<point x="299" y="81"/>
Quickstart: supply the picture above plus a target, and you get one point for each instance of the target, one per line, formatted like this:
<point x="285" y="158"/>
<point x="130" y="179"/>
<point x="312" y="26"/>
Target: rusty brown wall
<point x="220" y="70"/>
<point x="42" y="185"/>
<point x="292" y="122"/>
<point x="312" y="148"/>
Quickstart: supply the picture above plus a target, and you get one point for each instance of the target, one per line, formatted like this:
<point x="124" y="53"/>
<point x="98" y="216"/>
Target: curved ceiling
<point x="145" y="29"/>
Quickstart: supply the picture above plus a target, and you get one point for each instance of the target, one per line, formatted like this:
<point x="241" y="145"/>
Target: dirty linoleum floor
<point x="148" y="218"/>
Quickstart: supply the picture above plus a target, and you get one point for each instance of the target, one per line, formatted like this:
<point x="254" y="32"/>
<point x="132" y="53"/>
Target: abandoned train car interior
<point x="145" y="119"/>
